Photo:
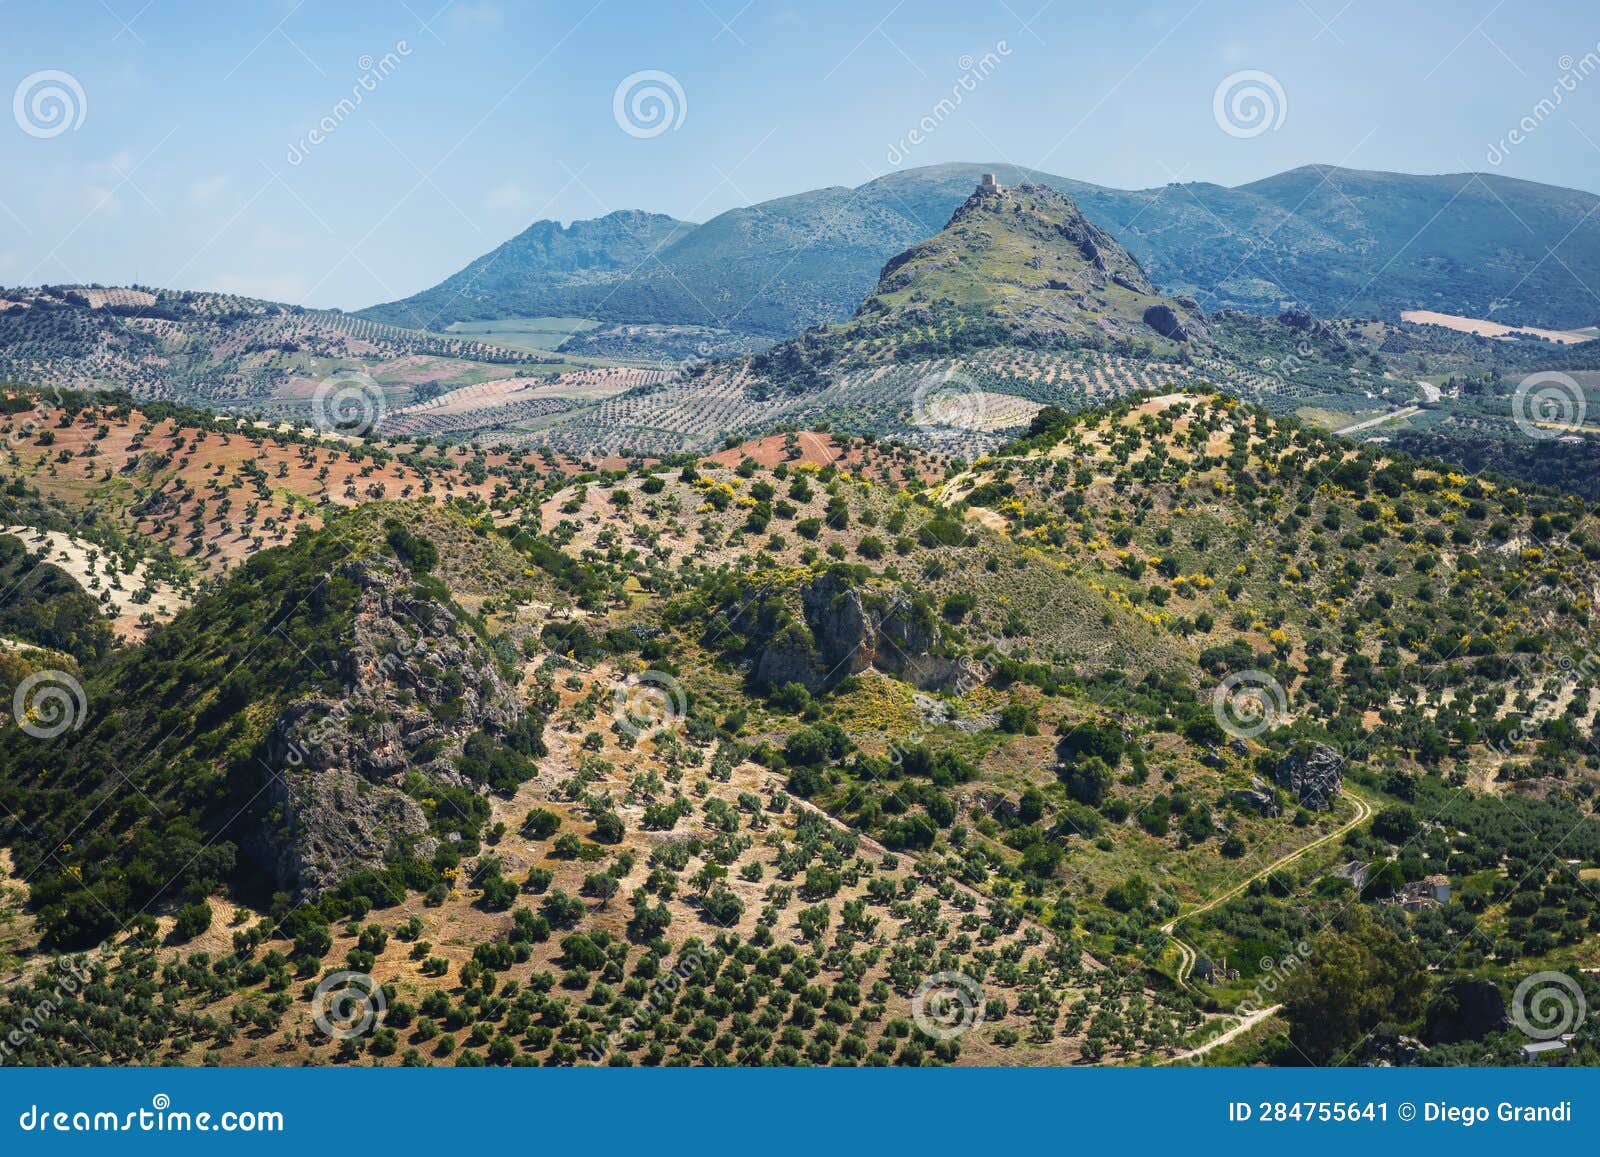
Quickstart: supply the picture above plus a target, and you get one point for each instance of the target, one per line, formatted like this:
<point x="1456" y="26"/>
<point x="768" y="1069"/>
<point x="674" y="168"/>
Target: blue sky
<point x="187" y="160"/>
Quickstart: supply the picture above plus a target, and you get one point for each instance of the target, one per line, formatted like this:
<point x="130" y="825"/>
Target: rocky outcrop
<point x="940" y="712"/>
<point x="335" y="824"/>
<point x="1313" y="773"/>
<point x="417" y="683"/>
<point x="1166" y="322"/>
<point x="1259" y="798"/>
<point x="844" y="629"/>
<point x="991" y="803"/>
<point x="1027" y="263"/>
<point x="1383" y="1051"/>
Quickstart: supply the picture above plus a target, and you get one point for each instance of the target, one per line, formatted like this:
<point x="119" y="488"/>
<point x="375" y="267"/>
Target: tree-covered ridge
<point x="546" y="270"/>
<point x="44" y="606"/>
<point x="1391" y="597"/>
<point x="825" y="720"/>
<point x="1099" y="514"/>
<point x="185" y="737"/>
<point x="1336" y="240"/>
<point x="191" y="493"/>
<point x="222" y="350"/>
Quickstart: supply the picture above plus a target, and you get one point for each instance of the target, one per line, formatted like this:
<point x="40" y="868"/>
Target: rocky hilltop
<point x="1026" y="262"/>
<point x="419" y="683"/>
<point x="1334" y="239"/>
<point x="833" y="625"/>
<point x="327" y="711"/>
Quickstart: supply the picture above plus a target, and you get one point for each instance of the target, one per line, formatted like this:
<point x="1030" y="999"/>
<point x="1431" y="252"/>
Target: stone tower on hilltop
<point x="987" y="184"/>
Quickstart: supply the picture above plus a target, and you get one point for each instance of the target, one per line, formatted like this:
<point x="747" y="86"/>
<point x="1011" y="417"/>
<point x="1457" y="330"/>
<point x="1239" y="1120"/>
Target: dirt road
<point x="1187" y="953"/>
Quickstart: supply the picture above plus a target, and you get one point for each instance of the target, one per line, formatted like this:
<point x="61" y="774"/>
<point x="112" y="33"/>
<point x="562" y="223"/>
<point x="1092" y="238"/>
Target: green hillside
<point x="1034" y="713"/>
<point x="1025" y="263"/>
<point x="225" y="749"/>
<point x="547" y="270"/>
<point x="1333" y="241"/>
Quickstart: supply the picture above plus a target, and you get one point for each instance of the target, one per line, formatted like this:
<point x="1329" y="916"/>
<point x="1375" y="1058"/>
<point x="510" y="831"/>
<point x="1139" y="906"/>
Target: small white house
<point x="1540" y="1048"/>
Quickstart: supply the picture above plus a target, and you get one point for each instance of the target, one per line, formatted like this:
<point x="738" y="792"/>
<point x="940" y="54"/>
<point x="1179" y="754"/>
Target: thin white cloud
<point x="510" y="195"/>
<point x="205" y="191"/>
<point x="117" y="166"/>
<point x="485" y="13"/>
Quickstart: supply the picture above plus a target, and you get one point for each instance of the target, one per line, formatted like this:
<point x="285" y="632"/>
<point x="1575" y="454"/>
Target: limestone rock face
<point x="1259" y="797"/>
<point x="847" y="630"/>
<point x="417" y="684"/>
<point x="1314" y="773"/>
<point x="1166" y="322"/>
<point x="991" y="803"/>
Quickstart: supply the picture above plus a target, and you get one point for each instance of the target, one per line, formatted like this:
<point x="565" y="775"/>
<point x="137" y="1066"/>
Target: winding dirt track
<point x="1187" y="953"/>
<point x="1245" y="1024"/>
<point x="1391" y="416"/>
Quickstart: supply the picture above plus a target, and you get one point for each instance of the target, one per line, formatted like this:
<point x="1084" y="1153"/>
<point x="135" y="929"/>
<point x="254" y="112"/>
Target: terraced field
<point x="229" y="352"/>
<point x="963" y="405"/>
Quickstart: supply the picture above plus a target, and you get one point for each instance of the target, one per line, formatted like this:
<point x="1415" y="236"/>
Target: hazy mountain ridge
<point x="547" y="269"/>
<point x="1323" y="238"/>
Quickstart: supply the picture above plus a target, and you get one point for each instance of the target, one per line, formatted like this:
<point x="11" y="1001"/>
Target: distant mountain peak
<point x="548" y="269"/>
<point x="1026" y="258"/>
<point x="1335" y="240"/>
